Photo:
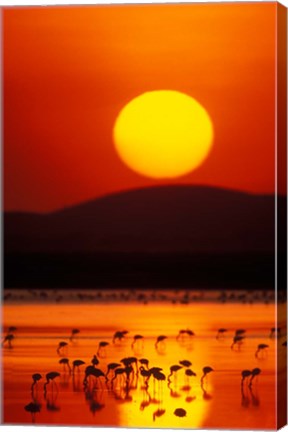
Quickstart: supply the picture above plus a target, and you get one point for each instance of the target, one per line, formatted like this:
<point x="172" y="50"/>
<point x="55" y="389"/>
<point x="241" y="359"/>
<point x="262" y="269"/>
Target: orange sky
<point x="69" y="70"/>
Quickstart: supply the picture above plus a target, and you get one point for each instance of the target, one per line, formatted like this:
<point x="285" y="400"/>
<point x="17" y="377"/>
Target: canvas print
<point x="144" y="217"/>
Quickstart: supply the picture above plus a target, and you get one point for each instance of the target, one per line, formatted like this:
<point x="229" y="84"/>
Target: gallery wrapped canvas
<point x="145" y="214"/>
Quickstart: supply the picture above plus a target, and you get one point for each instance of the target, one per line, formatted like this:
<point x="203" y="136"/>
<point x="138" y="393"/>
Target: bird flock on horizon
<point x="122" y="374"/>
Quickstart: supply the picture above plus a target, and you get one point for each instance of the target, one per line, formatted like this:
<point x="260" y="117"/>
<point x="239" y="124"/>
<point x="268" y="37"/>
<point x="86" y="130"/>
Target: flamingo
<point x="158" y="413"/>
<point x="8" y="338"/>
<point x="92" y="371"/>
<point x="119" y="335"/>
<point x="182" y="333"/>
<point x="221" y="332"/>
<point x="173" y="370"/>
<point x="35" y="377"/>
<point x="77" y="363"/>
<point x="240" y="332"/>
<point x="111" y="366"/>
<point x="206" y="370"/>
<point x="60" y="347"/>
<point x="185" y="363"/>
<point x="260" y="348"/>
<point x="65" y="362"/>
<point x="254" y="372"/>
<point x="237" y="340"/>
<point x="245" y="374"/>
<point x="160" y="339"/>
<point x="101" y="348"/>
<point x="74" y="332"/>
<point x="50" y="376"/>
<point x="275" y="331"/>
<point x="135" y="339"/>
<point x="145" y="374"/>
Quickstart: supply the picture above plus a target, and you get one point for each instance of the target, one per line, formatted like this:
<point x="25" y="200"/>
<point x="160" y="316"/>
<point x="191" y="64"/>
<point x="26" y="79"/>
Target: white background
<point x="11" y="3"/>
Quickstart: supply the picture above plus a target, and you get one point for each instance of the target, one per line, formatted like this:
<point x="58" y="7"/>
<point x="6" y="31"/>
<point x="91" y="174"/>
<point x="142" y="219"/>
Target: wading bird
<point x="101" y="352"/>
<point x="50" y="377"/>
<point x="65" y="362"/>
<point x="35" y="377"/>
<point x="237" y="340"/>
<point x="254" y="373"/>
<point x="173" y="371"/>
<point x="136" y="339"/>
<point x="61" y="346"/>
<point x="183" y="333"/>
<point x="119" y="335"/>
<point x="185" y="363"/>
<point x="77" y="364"/>
<point x="111" y="366"/>
<point x="275" y="332"/>
<point x="91" y="371"/>
<point x="260" y="348"/>
<point x="74" y="332"/>
<point x="8" y="338"/>
<point x="220" y="332"/>
<point x="245" y="374"/>
<point x="159" y="340"/>
<point x="206" y="370"/>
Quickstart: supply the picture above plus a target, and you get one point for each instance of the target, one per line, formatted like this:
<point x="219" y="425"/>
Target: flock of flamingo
<point x="124" y="374"/>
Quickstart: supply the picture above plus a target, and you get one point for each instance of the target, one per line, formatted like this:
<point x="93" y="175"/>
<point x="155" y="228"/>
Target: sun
<point x="163" y="134"/>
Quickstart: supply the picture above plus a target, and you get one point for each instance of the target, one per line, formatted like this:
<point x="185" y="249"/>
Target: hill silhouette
<point x="161" y="219"/>
<point x="171" y="236"/>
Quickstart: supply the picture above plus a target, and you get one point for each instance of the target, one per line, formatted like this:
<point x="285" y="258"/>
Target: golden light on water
<point x="163" y="134"/>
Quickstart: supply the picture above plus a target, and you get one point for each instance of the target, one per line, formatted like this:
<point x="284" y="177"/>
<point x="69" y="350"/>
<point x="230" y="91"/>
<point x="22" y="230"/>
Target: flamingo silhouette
<point x="245" y="374"/>
<point x="92" y="371"/>
<point x="101" y="349"/>
<point x="8" y="338"/>
<point x="11" y="329"/>
<point x="240" y="332"/>
<point x="60" y="347"/>
<point x="65" y="362"/>
<point x="77" y="364"/>
<point x="260" y="348"/>
<point x="50" y="376"/>
<point x="254" y="373"/>
<point x="136" y="339"/>
<point x="237" y="340"/>
<point x="185" y="363"/>
<point x="111" y="366"/>
<point x="145" y="374"/>
<point x="275" y="332"/>
<point x="206" y="370"/>
<point x="182" y="333"/>
<point x="35" y="377"/>
<point x="159" y="340"/>
<point x="220" y="332"/>
<point x="74" y="332"/>
<point x="173" y="371"/>
<point x="119" y="335"/>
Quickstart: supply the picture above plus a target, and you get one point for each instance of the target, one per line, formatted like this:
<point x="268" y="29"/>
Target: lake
<point x="45" y="318"/>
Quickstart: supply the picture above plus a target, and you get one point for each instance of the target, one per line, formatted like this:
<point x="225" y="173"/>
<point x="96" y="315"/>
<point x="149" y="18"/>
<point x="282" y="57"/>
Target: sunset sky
<point x="68" y="71"/>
